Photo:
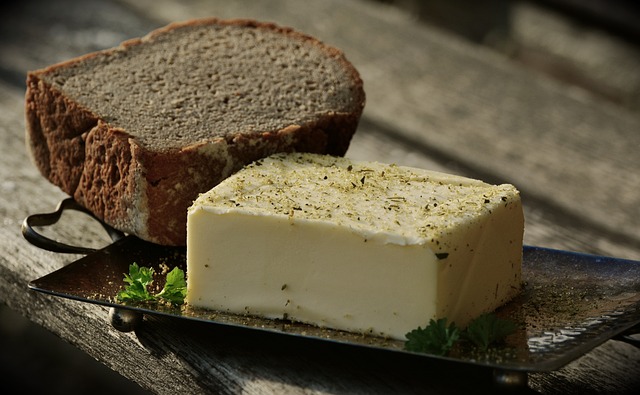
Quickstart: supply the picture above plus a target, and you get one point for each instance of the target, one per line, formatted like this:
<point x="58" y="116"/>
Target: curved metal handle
<point x="47" y="219"/>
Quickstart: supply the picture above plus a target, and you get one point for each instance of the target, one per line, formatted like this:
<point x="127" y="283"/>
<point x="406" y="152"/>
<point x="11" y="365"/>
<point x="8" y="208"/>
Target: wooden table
<point x="433" y="101"/>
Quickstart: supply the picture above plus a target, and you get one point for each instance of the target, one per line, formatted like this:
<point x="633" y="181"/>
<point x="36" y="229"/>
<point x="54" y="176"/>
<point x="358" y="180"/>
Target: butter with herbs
<point x="355" y="246"/>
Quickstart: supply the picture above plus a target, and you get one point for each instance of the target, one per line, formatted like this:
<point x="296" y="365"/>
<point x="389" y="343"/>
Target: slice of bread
<point x="135" y="133"/>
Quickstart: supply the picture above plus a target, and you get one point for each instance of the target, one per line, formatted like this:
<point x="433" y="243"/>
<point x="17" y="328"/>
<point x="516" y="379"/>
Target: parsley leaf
<point x="488" y="329"/>
<point x="436" y="338"/>
<point x="140" y="280"/>
<point x="175" y="288"/>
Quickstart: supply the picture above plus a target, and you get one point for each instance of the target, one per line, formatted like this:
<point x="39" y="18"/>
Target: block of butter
<point x="356" y="246"/>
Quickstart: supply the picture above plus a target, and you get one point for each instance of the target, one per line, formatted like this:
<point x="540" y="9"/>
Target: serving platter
<point x="570" y="303"/>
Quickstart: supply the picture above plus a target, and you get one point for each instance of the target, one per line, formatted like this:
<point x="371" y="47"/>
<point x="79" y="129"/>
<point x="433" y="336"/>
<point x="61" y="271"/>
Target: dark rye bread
<point x="136" y="132"/>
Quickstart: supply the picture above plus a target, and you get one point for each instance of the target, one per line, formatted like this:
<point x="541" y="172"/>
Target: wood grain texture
<point x="433" y="102"/>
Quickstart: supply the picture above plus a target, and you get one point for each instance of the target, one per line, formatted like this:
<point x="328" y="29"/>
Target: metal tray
<point x="570" y="304"/>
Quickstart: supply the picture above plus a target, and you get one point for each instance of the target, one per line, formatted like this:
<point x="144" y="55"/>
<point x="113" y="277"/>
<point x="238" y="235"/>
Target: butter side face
<point x="356" y="246"/>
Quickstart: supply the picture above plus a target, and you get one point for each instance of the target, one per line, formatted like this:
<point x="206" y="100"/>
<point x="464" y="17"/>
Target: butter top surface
<point x="395" y="204"/>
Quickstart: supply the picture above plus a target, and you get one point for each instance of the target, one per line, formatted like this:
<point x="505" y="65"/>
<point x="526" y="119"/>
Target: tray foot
<point x="124" y="320"/>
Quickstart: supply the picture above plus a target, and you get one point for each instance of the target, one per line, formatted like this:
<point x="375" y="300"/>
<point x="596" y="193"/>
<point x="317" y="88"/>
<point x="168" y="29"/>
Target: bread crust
<point x="146" y="192"/>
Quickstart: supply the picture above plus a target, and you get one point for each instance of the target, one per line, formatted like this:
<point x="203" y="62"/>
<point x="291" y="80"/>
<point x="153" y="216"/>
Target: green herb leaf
<point x="175" y="288"/>
<point x="488" y="329"/>
<point x="139" y="278"/>
<point x="436" y="338"/>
